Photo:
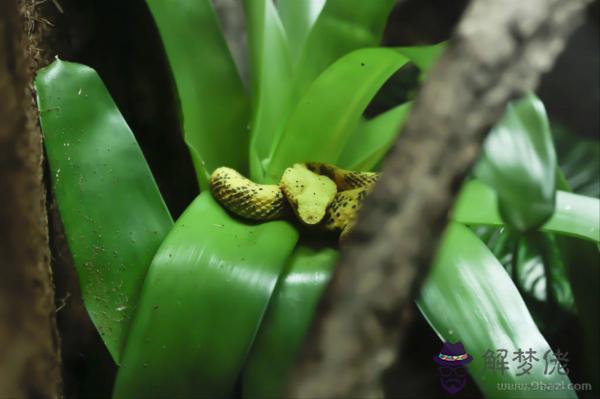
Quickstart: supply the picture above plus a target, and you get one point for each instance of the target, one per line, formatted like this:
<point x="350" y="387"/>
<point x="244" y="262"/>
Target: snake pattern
<point x="246" y="198"/>
<point x="318" y="194"/>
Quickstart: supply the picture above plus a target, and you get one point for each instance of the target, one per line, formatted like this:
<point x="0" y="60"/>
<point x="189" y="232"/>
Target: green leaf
<point x="561" y="182"/>
<point x="537" y="268"/>
<point x="202" y="302"/>
<point x="424" y="57"/>
<point x="371" y="140"/>
<point x="578" y="160"/>
<point x="520" y="163"/>
<point x="575" y="215"/>
<point x="331" y="108"/>
<point x="213" y="104"/>
<point x="468" y="297"/>
<point x="287" y="320"/>
<point x="271" y="76"/>
<point x="113" y="214"/>
<point x="583" y="260"/>
<point x="538" y="259"/>
<point x="342" y="27"/>
<point x="298" y="17"/>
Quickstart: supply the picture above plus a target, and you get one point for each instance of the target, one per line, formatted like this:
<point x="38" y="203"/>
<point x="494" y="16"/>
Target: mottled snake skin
<point x="267" y="201"/>
<point x="246" y="198"/>
<point x="344" y="179"/>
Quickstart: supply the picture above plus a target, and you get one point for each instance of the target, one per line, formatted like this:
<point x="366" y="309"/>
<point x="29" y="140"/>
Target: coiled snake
<point x="318" y="194"/>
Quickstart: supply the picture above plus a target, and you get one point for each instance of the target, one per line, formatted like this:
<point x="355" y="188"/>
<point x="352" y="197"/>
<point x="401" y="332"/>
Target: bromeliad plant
<point x="195" y="307"/>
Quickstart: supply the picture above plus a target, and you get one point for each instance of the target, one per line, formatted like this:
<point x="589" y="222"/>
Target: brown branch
<point x="498" y="52"/>
<point x="29" y="356"/>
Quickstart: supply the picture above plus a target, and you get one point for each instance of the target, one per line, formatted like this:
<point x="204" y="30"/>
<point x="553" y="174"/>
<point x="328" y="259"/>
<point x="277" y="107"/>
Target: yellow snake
<point x="318" y="194"/>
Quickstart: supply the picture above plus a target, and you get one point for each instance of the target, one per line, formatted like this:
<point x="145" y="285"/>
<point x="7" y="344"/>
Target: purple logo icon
<point x="452" y="359"/>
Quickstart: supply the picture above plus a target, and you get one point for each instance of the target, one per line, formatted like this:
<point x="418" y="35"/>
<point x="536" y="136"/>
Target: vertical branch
<point x="498" y="52"/>
<point x="29" y="357"/>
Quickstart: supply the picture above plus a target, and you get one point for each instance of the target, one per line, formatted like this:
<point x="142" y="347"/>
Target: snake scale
<point x="318" y="194"/>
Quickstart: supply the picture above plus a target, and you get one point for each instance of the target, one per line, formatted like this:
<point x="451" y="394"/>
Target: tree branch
<point x="29" y="354"/>
<point x="498" y="52"/>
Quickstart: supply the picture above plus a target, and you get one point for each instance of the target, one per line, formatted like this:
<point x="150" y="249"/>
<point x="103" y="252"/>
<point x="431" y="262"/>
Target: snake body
<point x="246" y="198"/>
<point x="341" y="213"/>
<point x="344" y="179"/>
<point x="319" y="194"/>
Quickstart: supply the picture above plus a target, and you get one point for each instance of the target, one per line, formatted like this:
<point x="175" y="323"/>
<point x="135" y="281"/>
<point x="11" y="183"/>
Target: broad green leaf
<point x="579" y="160"/>
<point x="287" y="320"/>
<point x="424" y="57"/>
<point x="298" y="17"/>
<point x="539" y="259"/>
<point x="562" y="183"/>
<point x="468" y="297"/>
<point x="113" y="214"/>
<point x="520" y="163"/>
<point x="329" y="111"/>
<point x="583" y="260"/>
<point x="213" y="104"/>
<point x="371" y="140"/>
<point x="342" y="27"/>
<point x="535" y="263"/>
<point x="271" y="77"/>
<point x="202" y="303"/>
<point x="575" y="215"/>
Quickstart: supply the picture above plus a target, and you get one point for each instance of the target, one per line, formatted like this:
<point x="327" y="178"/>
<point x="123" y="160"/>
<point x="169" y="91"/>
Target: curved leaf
<point x="520" y="163"/>
<point x="468" y="297"/>
<point x="342" y="27"/>
<point x="371" y="140"/>
<point x="298" y="17"/>
<point x="538" y="253"/>
<point x="323" y="120"/>
<point x="537" y="268"/>
<point x="213" y="103"/>
<point x="287" y="320"/>
<point x="202" y="302"/>
<point x="271" y="76"/>
<point x="578" y="160"/>
<point x="424" y="57"/>
<point x="583" y="260"/>
<point x="113" y="214"/>
<point x="575" y="215"/>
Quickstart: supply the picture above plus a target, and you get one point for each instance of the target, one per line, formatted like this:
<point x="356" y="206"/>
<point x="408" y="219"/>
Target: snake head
<point x="308" y="193"/>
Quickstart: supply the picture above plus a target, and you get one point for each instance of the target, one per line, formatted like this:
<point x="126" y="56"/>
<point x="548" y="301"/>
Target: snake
<point x="319" y="195"/>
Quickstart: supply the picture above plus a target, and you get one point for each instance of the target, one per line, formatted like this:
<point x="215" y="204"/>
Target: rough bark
<point x="29" y="356"/>
<point x="498" y="52"/>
